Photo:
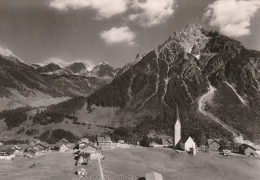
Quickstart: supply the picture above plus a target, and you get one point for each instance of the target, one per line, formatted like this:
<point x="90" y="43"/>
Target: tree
<point x="145" y="141"/>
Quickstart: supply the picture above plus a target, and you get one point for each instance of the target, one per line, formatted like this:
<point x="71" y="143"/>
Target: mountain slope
<point x="180" y="71"/>
<point x="41" y="85"/>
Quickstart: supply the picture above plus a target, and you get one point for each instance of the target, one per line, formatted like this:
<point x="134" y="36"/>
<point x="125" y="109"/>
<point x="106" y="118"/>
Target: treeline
<point x="57" y="113"/>
<point x="192" y="124"/>
<point x="113" y="94"/>
<point x="13" y="118"/>
<point x="58" y="134"/>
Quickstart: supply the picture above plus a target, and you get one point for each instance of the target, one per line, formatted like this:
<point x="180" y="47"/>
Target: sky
<point x="114" y="31"/>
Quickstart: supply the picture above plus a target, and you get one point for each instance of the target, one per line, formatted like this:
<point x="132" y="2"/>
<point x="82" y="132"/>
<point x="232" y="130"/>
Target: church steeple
<point x="176" y="117"/>
<point x="177" y="127"/>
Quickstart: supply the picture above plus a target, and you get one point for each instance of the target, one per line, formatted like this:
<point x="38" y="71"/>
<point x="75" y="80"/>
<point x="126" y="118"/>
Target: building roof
<point x="44" y="144"/>
<point x="210" y="141"/>
<point x="153" y="176"/>
<point x="185" y="138"/>
<point x="7" y="149"/>
<point x="245" y="146"/>
<point x="177" y="116"/>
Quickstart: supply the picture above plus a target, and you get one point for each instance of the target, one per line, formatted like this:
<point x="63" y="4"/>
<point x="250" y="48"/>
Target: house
<point x="121" y="141"/>
<point x="83" y="140"/>
<point x="32" y="151"/>
<point x="187" y="144"/>
<point x="226" y="152"/>
<point x="17" y="149"/>
<point x="167" y="142"/>
<point x="64" y="141"/>
<point x="42" y="146"/>
<point x="153" y="176"/>
<point x="6" y="150"/>
<point x="81" y="172"/>
<point x="34" y="142"/>
<point x="82" y="158"/>
<point x="104" y="142"/>
<point x="247" y="150"/>
<point x="202" y="148"/>
<point x="1" y="144"/>
<point x="214" y="144"/>
<point x="92" y="150"/>
<point x="64" y="148"/>
<point x="235" y="147"/>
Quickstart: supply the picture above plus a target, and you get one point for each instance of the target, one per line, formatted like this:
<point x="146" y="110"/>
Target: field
<point x="133" y="163"/>
<point x="173" y="165"/>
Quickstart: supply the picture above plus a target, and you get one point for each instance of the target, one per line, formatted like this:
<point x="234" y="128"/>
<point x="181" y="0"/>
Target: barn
<point x="247" y="150"/>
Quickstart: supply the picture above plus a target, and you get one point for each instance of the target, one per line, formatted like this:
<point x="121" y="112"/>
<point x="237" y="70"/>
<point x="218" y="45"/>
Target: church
<point x="184" y="143"/>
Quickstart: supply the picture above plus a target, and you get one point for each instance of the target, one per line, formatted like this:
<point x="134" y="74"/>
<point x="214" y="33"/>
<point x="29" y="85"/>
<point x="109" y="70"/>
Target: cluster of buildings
<point x="186" y="143"/>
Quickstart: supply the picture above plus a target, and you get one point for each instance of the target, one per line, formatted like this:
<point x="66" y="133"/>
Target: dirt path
<point x="101" y="170"/>
<point x="207" y="98"/>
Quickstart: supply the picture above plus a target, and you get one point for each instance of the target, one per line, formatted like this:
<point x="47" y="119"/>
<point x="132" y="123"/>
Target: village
<point x="88" y="154"/>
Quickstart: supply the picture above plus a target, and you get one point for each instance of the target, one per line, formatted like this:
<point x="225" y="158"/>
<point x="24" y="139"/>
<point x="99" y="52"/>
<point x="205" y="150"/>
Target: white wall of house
<point x="188" y="145"/>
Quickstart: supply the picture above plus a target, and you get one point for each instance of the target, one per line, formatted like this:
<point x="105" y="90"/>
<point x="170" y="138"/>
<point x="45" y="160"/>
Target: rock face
<point x="179" y="72"/>
<point x="41" y="85"/>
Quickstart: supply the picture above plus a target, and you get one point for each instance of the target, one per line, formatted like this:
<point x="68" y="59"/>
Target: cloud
<point x="232" y="17"/>
<point x="118" y="35"/>
<point x="151" y="12"/>
<point x="105" y="8"/>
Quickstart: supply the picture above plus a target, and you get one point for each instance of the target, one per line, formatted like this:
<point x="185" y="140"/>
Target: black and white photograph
<point x="130" y="89"/>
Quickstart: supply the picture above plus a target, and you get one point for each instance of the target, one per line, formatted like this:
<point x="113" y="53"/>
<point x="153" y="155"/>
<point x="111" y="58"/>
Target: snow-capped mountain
<point x="41" y="85"/>
<point x="78" y="67"/>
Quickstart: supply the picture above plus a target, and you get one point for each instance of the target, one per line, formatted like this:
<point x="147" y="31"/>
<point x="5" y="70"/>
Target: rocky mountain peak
<point x="191" y="39"/>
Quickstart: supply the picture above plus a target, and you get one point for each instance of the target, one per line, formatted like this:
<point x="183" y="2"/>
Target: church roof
<point x="177" y="116"/>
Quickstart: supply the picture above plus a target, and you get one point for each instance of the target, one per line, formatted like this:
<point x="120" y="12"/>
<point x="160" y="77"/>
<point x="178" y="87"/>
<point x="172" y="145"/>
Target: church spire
<point x="176" y="117"/>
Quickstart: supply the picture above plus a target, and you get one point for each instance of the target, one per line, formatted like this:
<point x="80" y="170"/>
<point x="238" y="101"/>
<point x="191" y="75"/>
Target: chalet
<point x="32" y="151"/>
<point x="81" y="172"/>
<point x="92" y="150"/>
<point x="104" y="142"/>
<point x="83" y="140"/>
<point x="34" y="142"/>
<point x="187" y="144"/>
<point x="17" y="149"/>
<point x="214" y="144"/>
<point x="167" y="142"/>
<point x="60" y="147"/>
<point x="6" y="150"/>
<point x="247" y="150"/>
<point x="64" y="141"/>
<point x="42" y="146"/>
<point x="226" y="152"/>
<point x="82" y="158"/>
<point x="153" y="176"/>
<point x="234" y="147"/>
<point x="202" y="148"/>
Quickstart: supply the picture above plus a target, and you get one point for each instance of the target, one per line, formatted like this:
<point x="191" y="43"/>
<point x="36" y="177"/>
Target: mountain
<point x="41" y="85"/>
<point x="212" y="78"/>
